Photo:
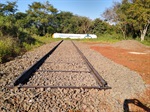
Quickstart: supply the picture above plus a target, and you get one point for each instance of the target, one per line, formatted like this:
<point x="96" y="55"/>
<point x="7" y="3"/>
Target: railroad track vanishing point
<point x="64" y="66"/>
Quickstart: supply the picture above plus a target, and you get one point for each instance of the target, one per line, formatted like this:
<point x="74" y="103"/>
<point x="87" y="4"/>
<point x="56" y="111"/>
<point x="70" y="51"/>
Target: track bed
<point x="65" y="66"/>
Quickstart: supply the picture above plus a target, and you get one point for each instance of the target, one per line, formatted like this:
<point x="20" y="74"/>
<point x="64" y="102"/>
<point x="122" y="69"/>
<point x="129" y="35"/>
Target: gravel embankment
<point x="124" y="82"/>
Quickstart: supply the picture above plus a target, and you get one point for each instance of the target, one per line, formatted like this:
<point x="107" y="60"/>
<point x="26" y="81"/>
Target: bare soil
<point x="132" y="55"/>
<point x="129" y="53"/>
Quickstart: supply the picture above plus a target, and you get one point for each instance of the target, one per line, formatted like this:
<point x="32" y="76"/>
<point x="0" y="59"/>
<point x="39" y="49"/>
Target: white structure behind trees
<point x="73" y="36"/>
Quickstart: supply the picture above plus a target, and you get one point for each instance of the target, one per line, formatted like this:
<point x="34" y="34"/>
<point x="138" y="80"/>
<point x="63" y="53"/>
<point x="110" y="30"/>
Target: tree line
<point x="130" y="18"/>
<point x="43" y="19"/>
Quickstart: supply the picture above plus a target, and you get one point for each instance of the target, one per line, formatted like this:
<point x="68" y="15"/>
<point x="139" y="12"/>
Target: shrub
<point x="8" y="48"/>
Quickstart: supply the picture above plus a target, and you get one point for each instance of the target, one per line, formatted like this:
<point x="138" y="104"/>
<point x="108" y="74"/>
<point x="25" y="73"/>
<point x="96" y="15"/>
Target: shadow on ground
<point x="134" y="102"/>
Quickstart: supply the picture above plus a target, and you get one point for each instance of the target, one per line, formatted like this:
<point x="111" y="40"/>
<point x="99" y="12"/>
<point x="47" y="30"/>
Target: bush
<point x="8" y="48"/>
<point x="11" y="47"/>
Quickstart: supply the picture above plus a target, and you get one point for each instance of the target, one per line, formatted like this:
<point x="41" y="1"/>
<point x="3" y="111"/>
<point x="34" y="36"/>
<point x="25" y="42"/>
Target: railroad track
<point x="64" y="66"/>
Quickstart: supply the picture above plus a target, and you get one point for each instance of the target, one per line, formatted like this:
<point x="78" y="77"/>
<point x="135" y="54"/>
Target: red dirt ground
<point x="137" y="62"/>
<point x="140" y="63"/>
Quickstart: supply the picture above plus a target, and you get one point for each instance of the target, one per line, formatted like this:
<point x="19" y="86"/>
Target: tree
<point x="99" y="27"/>
<point x="9" y="8"/>
<point x="64" y="22"/>
<point x="85" y="24"/>
<point x="130" y="14"/>
<point x="42" y="15"/>
<point x="114" y="15"/>
<point x="138" y="14"/>
<point x="7" y="21"/>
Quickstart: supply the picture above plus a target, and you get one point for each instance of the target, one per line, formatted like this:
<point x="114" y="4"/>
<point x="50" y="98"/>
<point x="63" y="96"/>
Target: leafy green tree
<point x="9" y="8"/>
<point x="64" y="22"/>
<point x="114" y="16"/>
<point x="99" y="27"/>
<point x="138" y="14"/>
<point x="69" y="23"/>
<point x="130" y="15"/>
<point x="7" y="21"/>
<point x="85" y="25"/>
<point x="42" y="15"/>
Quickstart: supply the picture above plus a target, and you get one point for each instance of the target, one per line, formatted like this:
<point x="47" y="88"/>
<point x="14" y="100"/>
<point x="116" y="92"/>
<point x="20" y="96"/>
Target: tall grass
<point x="8" y="48"/>
<point x="38" y="41"/>
<point x="44" y="39"/>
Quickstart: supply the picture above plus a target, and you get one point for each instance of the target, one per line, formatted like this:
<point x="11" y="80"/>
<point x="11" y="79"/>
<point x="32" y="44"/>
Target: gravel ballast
<point x="124" y="82"/>
<point x="80" y="77"/>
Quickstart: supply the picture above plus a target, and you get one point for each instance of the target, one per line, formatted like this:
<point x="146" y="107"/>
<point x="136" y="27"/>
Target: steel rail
<point x="100" y="81"/>
<point x="62" y="62"/>
<point x="24" y="77"/>
<point x="61" y="87"/>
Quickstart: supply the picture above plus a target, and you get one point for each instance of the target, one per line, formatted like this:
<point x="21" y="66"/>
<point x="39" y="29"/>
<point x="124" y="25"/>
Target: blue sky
<point x="89" y="8"/>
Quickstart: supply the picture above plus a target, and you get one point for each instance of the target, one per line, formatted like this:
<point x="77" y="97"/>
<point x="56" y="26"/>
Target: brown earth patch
<point x="120" y="53"/>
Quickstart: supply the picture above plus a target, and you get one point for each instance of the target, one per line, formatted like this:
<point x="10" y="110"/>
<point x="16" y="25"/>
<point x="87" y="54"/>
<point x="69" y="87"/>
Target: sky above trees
<point x="89" y="8"/>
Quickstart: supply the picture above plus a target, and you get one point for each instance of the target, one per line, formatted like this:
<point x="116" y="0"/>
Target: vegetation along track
<point x="65" y="66"/>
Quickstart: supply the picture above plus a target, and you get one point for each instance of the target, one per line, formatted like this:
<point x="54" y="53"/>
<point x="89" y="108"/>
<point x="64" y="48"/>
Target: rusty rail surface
<point x="24" y="77"/>
<point x="100" y="81"/>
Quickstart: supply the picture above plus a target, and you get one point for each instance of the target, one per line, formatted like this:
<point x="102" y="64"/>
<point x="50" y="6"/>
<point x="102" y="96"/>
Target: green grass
<point x="44" y="39"/>
<point x="106" y="38"/>
<point x="145" y="42"/>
